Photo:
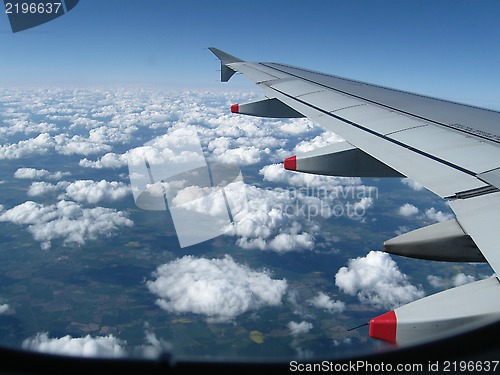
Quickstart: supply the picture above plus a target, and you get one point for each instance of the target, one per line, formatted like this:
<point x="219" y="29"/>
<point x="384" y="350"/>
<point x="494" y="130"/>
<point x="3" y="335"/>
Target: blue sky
<point x="441" y="48"/>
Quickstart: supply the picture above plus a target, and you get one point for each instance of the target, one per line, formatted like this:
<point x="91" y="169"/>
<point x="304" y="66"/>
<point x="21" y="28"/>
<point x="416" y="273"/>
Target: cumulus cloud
<point x="154" y="347"/>
<point x="39" y="145"/>
<point x="319" y="141"/>
<point x="407" y="210"/>
<point x="266" y="224"/>
<point x="88" y="346"/>
<point x="39" y="188"/>
<point x="376" y="279"/>
<point x="45" y="143"/>
<point x="92" y="192"/>
<point x="363" y="204"/>
<point x="178" y="146"/>
<point x="97" y="347"/>
<point x="457" y="280"/>
<point x="65" y="220"/>
<point x="224" y="151"/>
<point x="108" y="134"/>
<point x="299" y="126"/>
<point x="84" y="191"/>
<point x="38" y="174"/>
<point x="219" y="289"/>
<point x="21" y="124"/>
<point x="323" y="301"/>
<point x="77" y="144"/>
<point x="4" y="307"/>
<point x="110" y="160"/>
<point x="301" y="328"/>
<point x="284" y="220"/>
<point x="276" y="173"/>
<point x="412" y="184"/>
<point x="439" y="216"/>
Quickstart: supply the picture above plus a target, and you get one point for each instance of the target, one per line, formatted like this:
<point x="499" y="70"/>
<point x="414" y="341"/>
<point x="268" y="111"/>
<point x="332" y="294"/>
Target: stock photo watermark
<point x="313" y="202"/>
<point x="202" y="197"/>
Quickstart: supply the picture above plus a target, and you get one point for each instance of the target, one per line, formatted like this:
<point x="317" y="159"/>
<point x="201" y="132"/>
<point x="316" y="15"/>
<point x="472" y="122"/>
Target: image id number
<point x="32" y="8"/>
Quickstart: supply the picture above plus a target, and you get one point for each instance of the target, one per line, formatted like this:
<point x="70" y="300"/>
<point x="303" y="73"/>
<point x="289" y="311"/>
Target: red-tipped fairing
<point x="291" y="163"/>
<point x="383" y="327"/>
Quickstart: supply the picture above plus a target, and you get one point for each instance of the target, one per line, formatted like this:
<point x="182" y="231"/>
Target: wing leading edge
<point x="452" y="149"/>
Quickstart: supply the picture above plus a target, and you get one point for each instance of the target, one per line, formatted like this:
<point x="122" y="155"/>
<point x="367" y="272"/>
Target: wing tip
<point x="224" y="57"/>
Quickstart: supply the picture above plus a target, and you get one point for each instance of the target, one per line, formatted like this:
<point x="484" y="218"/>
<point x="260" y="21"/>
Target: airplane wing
<point x="452" y="149"/>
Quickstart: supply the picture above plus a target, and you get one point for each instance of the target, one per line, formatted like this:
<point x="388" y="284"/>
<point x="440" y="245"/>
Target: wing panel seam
<point x="410" y="128"/>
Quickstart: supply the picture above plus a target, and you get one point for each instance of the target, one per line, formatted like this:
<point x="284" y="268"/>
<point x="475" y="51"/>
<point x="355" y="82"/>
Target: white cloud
<point x="377" y="280"/>
<point x="219" y="289"/>
<point x="323" y="301"/>
<point x="407" y="210"/>
<point x="226" y="150"/>
<point x="457" y="280"/>
<point x="38" y="188"/>
<point x="177" y="146"/>
<point x="4" y="307"/>
<point x="88" y="346"/>
<point x="70" y="145"/>
<point x="301" y="328"/>
<point x="243" y="155"/>
<point x="110" y="160"/>
<point x="31" y="173"/>
<point x="277" y="173"/>
<point x="44" y="143"/>
<point x="92" y="192"/>
<point x="39" y="145"/>
<point x="22" y="125"/>
<point x="412" y="184"/>
<point x="154" y="347"/>
<point x="84" y="191"/>
<point x="298" y="126"/>
<point x="66" y="220"/>
<point x="267" y="225"/>
<point x="286" y="219"/>
<point x="322" y="140"/>
<point x="432" y="214"/>
<point x="38" y="174"/>
<point x="363" y="204"/>
<point x="462" y="279"/>
<point x="108" y="134"/>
